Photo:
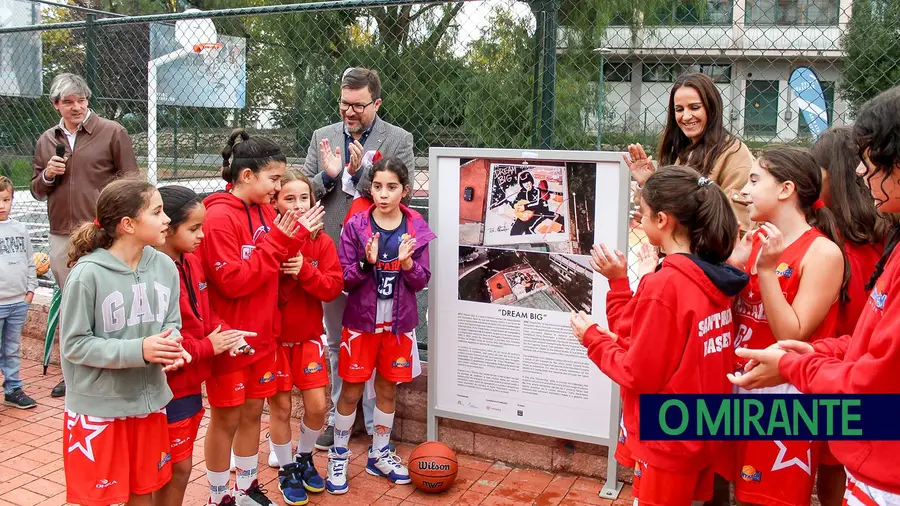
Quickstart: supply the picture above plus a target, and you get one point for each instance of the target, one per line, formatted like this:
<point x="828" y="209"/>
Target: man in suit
<point x="360" y="131"/>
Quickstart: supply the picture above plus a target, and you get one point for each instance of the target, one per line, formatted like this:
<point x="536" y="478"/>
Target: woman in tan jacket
<point x="695" y="136"/>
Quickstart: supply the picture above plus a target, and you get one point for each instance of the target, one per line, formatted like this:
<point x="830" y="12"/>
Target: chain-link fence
<point x="570" y="74"/>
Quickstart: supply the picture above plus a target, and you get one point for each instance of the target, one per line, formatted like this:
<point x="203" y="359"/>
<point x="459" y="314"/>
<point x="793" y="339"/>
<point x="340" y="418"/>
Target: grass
<point x="19" y="170"/>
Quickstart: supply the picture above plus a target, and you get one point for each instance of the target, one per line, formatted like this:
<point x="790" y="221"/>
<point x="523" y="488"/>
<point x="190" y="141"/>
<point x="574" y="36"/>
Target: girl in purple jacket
<point x="384" y="254"/>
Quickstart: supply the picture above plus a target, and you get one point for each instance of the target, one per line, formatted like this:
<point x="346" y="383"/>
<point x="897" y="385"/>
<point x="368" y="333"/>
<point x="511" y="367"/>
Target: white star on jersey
<point x="353" y="335"/>
<point x="781" y="464"/>
<point x="92" y="431"/>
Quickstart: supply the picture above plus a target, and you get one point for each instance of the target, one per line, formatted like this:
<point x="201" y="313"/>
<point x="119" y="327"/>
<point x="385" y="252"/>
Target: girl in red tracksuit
<point x="689" y="297"/>
<point x="243" y="252"/>
<point x="797" y="272"/>
<point x="867" y="361"/>
<point x="311" y="276"/>
<point x="863" y="230"/>
<point x="204" y="335"/>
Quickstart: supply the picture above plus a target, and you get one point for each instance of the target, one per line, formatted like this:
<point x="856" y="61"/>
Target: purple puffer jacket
<point x="360" y="285"/>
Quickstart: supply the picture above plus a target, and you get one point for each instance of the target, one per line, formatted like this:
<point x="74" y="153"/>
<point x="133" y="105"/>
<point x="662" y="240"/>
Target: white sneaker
<point x="232" y="462"/>
<point x="273" y="459"/>
<point x="338" y="463"/>
<point x="386" y="463"/>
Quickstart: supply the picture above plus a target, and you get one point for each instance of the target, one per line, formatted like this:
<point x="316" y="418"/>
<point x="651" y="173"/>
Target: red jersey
<point x="321" y="279"/>
<point x="689" y="301"/>
<point x="197" y="322"/>
<point x="865" y="363"/>
<point x="242" y="256"/>
<point x="862" y="259"/>
<point x="753" y="330"/>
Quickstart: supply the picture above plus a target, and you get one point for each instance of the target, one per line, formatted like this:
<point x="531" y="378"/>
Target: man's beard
<point x="358" y="129"/>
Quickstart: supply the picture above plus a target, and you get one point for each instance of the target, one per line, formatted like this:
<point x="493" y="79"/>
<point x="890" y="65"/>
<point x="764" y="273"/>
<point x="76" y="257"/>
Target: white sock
<point x="343" y="426"/>
<point x="384" y="422"/>
<point x="218" y="485"/>
<point x="307" y="438"/>
<point x="284" y="453"/>
<point x="245" y="469"/>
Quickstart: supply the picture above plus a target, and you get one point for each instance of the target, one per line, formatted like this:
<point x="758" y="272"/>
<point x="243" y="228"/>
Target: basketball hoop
<point x="207" y="46"/>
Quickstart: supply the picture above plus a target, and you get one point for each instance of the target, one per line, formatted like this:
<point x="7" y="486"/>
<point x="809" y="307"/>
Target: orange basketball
<point x="432" y="467"/>
<point x="41" y="263"/>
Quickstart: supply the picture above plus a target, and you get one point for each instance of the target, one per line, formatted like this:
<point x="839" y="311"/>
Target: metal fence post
<point x="548" y="80"/>
<point x="90" y="54"/>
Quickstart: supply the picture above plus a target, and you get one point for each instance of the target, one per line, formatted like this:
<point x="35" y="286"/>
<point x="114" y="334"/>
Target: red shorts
<point x="108" y="459"/>
<point x="256" y="381"/>
<point x="389" y="354"/>
<point x="623" y="454"/>
<point x="776" y="472"/>
<point x="658" y="487"/>
<point x="183" y="435"/>
<point x="304" y="364"/>
<point x="860" y="494"/>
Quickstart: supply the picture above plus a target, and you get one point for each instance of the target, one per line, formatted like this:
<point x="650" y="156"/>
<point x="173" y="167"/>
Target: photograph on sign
<point x="211" y="74"/>
<point x="552" y="282"/>
<point x="20" y="53"/>
<point x="524" y="206"/>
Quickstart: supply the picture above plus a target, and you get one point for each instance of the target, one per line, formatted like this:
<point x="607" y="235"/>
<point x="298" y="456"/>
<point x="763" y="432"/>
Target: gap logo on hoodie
<point x="114" y="315"/>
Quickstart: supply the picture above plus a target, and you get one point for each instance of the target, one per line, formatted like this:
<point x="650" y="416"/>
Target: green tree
<point x="872" y="45"/>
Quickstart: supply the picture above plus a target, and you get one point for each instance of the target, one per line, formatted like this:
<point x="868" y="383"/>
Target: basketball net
<point x="209" y="51"/>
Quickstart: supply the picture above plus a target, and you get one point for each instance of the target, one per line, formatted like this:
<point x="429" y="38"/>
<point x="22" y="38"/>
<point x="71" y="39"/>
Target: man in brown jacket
<point x="94" y="152"/>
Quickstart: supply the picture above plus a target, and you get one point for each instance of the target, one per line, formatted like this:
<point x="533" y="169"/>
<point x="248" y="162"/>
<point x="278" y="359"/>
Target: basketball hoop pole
<point x="152" y="66"/>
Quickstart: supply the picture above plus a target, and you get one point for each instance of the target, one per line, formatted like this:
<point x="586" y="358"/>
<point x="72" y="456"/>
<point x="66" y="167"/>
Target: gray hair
<point x="64" y="85"/>
<point x="357" y="78"/>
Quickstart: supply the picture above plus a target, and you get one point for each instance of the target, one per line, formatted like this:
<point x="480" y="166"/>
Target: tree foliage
<point x="872" y="44"/>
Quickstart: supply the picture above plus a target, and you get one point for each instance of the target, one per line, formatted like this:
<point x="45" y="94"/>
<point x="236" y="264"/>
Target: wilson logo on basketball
<point x="432" y="466"/>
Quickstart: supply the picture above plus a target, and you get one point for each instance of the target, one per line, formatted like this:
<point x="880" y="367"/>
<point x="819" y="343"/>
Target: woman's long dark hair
<point x="701" y="155"/>
<point x="858" y="220"/>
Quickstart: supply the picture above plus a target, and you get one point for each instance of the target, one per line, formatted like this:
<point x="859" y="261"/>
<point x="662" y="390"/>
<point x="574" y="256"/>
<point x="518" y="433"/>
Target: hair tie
<point x="97" y="223"/>
<point x="229" y="187"/>
<point x="704" y="182"/>
<point x="818" y="204"/>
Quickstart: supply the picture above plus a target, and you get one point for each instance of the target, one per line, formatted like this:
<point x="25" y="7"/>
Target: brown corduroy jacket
<point x="103" y="152"/>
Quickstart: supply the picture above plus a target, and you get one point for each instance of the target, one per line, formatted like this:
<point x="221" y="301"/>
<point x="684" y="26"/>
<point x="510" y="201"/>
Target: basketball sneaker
<point x="386" y="463"/>
<point x="226" y="501"/>
<point x="312" y="482"/>
<point x="291" y="484"/>
<point x="253" y="496"/>
<point x="338" y="463"/>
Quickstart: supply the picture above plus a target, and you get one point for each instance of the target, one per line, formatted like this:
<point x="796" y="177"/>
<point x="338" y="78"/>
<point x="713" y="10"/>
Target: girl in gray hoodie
<point x="119" y="335"/>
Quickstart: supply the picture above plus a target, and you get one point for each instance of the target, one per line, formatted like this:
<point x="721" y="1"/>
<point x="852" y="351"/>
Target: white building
<point x="749" y="47"/>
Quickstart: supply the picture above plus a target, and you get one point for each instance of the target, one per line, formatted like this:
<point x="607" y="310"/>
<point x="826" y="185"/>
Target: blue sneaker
<point x="291" y="485"/>
<point x="338" y="463"/>
<point x="386" y="463"/>
<point x="312" y="481"/>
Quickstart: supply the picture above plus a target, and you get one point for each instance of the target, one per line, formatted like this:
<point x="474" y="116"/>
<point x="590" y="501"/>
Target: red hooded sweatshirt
<point x="321" y="279"/>
<point x="865" y="363"/>
<point x="676" y="338"/>
<point x="197" y="322"/>
<point x="242" y="256"/>
<point x="862" y="259"/>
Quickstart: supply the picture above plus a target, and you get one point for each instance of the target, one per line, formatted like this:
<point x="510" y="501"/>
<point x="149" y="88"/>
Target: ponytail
<point x="245" y="152"/>
<point x="87" y="238"/>
<point x="699" y="205"/>
<point x="797" y="165"/>
<point x="123" y="198"/>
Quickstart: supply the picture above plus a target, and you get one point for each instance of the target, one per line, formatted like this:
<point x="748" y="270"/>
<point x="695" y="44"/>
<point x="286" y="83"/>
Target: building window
<point x="761" y="109"/>
<point x="668" y="72"/>
<point x="792" y="12"/>
<point x="693" y="12"/>
<point x="616" y="72"/>
<point x="828" y="92"/>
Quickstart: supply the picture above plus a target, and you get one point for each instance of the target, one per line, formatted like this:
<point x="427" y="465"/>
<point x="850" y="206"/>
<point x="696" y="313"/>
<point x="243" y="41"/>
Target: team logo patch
<point x="246" y="251"/>
<point x="315" y="263"/>
<point x="312" y="367"/>
<point x="164" y="459"/>
<point x="267" y="377"/>
<point x="749" y="473"/>
<point x="201" y="286"/>
<point x="401" y="362"/>
<point x="878" y="297"/>
<point x="784" y="270"/>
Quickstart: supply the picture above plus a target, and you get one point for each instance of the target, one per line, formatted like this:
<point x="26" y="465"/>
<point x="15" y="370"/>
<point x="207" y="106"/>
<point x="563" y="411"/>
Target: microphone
<point x="61" y="150"/>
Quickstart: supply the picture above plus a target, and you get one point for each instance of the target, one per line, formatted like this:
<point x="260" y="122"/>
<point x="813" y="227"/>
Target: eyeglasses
<point x="357" y="108"/>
